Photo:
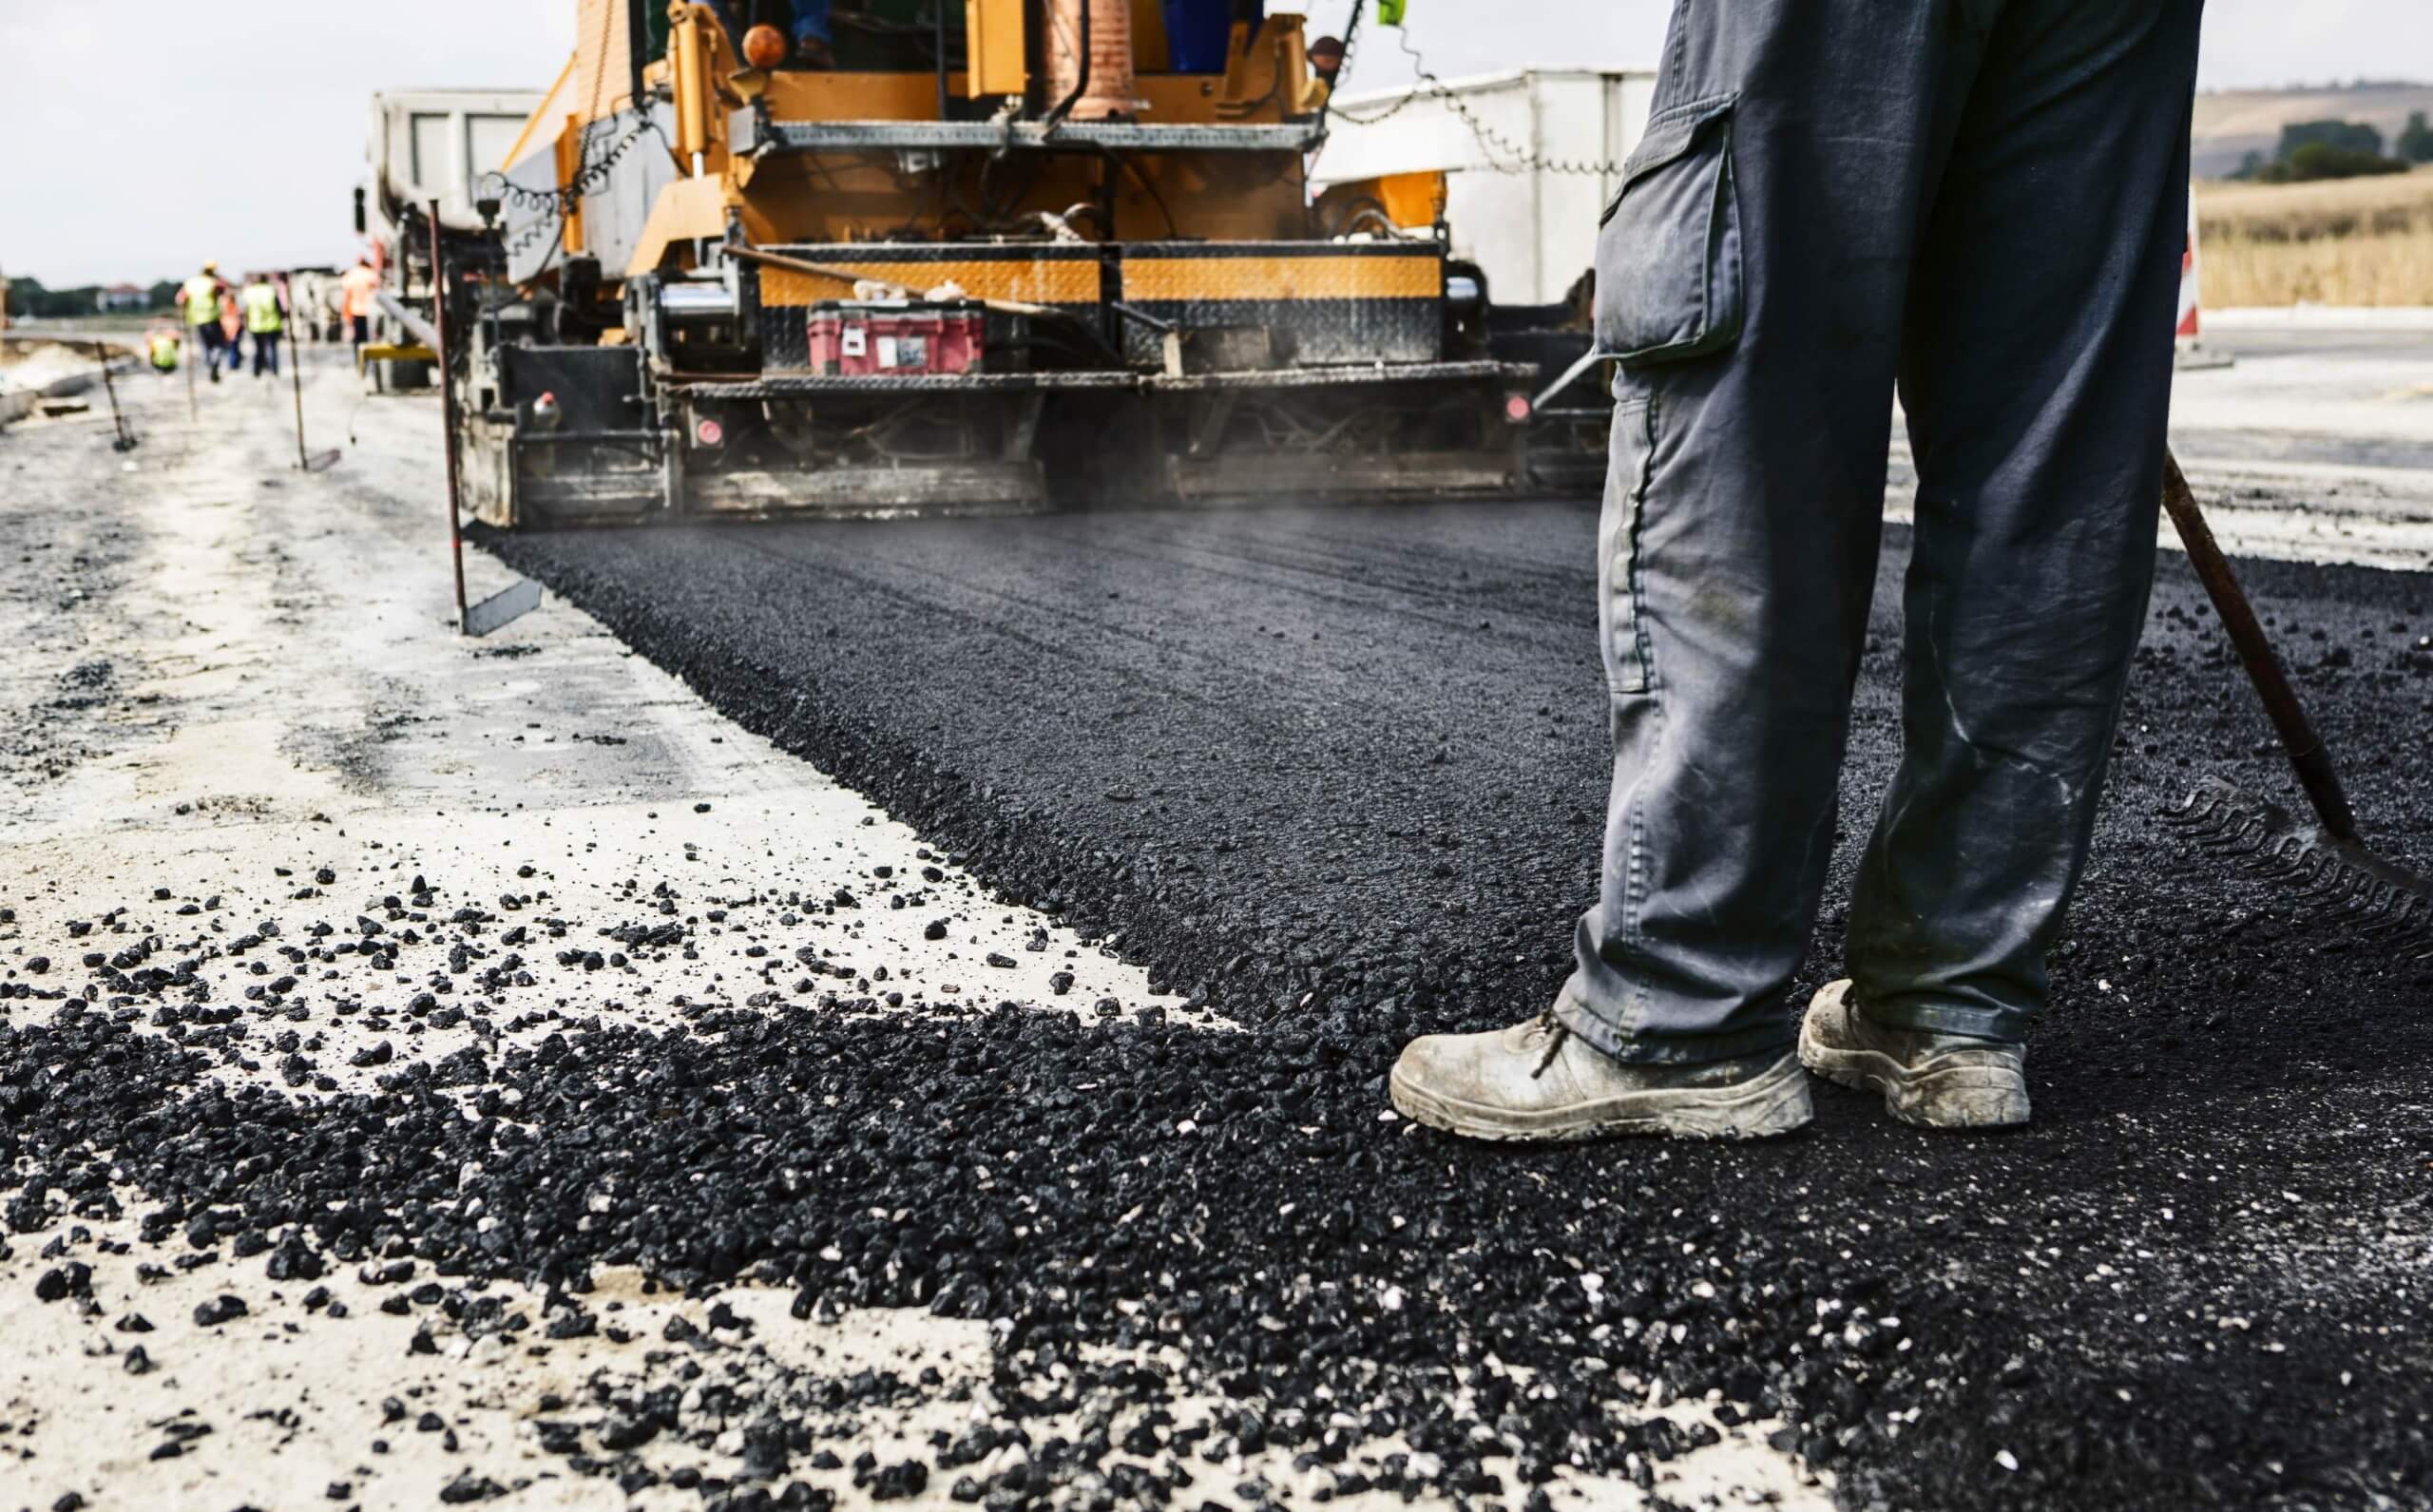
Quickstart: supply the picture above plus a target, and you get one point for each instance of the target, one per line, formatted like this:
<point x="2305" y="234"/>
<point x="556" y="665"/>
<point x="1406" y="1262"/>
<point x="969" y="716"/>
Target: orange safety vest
<point x="359" y="284"/>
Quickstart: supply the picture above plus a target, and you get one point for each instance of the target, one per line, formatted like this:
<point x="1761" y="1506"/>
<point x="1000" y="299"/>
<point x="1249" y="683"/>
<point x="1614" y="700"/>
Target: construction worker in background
<point x="360" y="286"/>
<point x="231" y="325"/>
<point x="160" y="346"/>
<point x="265" y="317"/>
<point x="1984" y="202"/>
<point x="199" y="297"/>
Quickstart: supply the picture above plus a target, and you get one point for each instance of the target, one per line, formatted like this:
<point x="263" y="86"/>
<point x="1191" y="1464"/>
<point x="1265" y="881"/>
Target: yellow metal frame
<point x="1027" y="281"/>
<point x="1408" y="200"/>
<point x="372" y="351"/>
<point x="1318" y="274"/>
<point x="854" y="196"/>
<point x="993" y="41"/>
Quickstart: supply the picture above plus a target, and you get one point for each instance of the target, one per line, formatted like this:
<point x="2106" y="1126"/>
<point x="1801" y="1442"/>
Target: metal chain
<point x="555" y="204"/>
<point x="1502" y="154"/>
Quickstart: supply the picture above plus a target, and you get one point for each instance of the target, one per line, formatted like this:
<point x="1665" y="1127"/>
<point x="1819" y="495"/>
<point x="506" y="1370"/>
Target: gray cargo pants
<point x="1984" y="201"/>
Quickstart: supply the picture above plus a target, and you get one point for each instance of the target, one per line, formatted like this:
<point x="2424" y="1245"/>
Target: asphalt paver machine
<point x="965" y="256"/>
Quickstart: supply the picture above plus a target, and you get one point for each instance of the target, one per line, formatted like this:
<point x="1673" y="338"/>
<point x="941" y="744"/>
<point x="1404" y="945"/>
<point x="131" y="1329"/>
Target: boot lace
<point x="1555" y="1032"/>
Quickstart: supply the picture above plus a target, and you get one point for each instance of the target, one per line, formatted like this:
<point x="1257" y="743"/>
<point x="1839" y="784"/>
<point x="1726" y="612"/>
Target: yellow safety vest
<point x="262" y="308"/>
<point x="202" y="300"/>
<point x="165" y="351"/>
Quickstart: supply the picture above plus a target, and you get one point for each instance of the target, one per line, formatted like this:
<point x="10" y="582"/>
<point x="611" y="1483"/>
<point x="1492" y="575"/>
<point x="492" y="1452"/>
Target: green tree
<point x="2322" y="160"/>
<point x="2415" y="139"/>
<point x="32" y="300"/>
<point x="2353" y="135"/>
<point x="162" y="295"/>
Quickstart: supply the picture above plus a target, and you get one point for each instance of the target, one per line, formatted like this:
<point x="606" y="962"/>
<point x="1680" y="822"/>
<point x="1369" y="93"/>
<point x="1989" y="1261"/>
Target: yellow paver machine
<point x="933" y="256"/>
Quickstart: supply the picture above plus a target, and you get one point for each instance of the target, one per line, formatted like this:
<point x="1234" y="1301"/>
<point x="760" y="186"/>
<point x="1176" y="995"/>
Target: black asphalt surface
<point x="1341" y="771"/>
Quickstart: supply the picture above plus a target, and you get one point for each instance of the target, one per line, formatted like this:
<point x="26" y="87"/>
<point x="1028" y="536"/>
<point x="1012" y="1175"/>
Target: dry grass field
<point x="2343" y="241"/>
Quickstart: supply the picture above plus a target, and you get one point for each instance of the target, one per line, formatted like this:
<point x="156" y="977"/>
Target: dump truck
<point x="993" y="255"/>
<point x="423" y="148"/>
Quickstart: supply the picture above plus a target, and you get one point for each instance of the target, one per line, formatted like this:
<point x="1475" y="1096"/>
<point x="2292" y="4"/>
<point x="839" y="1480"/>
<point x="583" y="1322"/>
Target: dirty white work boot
<point x="1940" y="1081"/>
<point x="1538" y="1081"/>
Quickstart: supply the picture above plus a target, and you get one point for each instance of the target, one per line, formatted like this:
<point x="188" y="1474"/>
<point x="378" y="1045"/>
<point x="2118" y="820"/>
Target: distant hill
<point x="2232" y="122"/>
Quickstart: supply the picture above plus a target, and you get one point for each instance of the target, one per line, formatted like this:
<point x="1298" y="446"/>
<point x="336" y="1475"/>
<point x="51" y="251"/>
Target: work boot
<point x="1940" y="1081"/>
<point x="1538" y="1081"/>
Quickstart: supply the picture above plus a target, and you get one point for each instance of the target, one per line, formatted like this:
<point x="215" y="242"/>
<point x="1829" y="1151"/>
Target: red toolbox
<point x="884" y="339"/>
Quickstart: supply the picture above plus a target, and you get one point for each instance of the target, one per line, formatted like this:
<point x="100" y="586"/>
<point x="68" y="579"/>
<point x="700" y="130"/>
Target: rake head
<point x="2338" y="880"/>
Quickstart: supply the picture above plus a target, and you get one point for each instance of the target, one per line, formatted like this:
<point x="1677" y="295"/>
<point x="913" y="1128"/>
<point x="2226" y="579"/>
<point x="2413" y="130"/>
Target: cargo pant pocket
<point x="1621" y="630"/>
<point x="1669" y="284"/>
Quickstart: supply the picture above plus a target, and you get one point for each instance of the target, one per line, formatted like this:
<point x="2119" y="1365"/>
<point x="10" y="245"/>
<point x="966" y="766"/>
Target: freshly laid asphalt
<point x="1339" y="772"/>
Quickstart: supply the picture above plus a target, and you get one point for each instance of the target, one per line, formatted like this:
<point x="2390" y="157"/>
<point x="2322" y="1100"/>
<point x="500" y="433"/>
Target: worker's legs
<point x="810" y="28"/>
<point x="2037" y="376"/>
<point x="1761" y="248"/>
<point x="212" y="342"/>
<point x="266" y="353"/>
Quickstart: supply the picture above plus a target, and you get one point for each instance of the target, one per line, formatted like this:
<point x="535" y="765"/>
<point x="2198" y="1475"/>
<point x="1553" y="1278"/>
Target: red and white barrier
<point x="2190" y="350"/>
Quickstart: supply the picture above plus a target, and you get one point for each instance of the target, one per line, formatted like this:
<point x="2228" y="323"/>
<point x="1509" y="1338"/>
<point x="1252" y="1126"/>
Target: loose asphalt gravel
<point x="1339" y="772"/>
<point x="1334" y="775"/>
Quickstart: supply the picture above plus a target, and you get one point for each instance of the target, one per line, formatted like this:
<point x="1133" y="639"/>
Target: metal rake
<point x="2333" y="873"/>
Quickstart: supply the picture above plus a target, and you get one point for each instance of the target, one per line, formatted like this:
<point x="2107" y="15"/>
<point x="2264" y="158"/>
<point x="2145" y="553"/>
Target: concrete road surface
<point x="2314" y="442"/>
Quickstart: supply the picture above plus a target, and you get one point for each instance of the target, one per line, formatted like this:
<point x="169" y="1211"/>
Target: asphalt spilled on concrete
<point x="1333" y="776"/>
<point x="1339" y="772"/>
<point x="369" y="1006"/>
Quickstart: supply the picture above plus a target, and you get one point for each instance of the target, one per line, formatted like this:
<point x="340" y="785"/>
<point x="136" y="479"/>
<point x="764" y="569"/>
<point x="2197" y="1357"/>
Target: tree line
<point x="2310" y="150"/>
<point x="31" y="300"/>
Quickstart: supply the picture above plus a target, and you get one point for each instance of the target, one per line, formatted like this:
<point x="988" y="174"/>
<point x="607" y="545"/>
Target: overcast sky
<point x="121" y="157"/>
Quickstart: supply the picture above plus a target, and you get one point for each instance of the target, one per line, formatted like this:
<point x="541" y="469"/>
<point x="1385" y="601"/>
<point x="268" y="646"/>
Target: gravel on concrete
<point x="437" y="1072"/>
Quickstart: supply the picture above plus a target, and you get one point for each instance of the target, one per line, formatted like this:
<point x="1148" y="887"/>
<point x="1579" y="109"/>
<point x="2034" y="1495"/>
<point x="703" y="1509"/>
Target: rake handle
<point x="2306" y="749"/>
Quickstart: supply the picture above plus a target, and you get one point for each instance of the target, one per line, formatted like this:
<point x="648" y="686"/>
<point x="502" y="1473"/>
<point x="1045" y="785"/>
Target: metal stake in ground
<point x="295" y="382"/>
<point x="445" y="354"/>
<point x="524" y="595"/>
<point x="125" y="441"/>
<point x="308" y="461"/>
<point x="192" y="413"/>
